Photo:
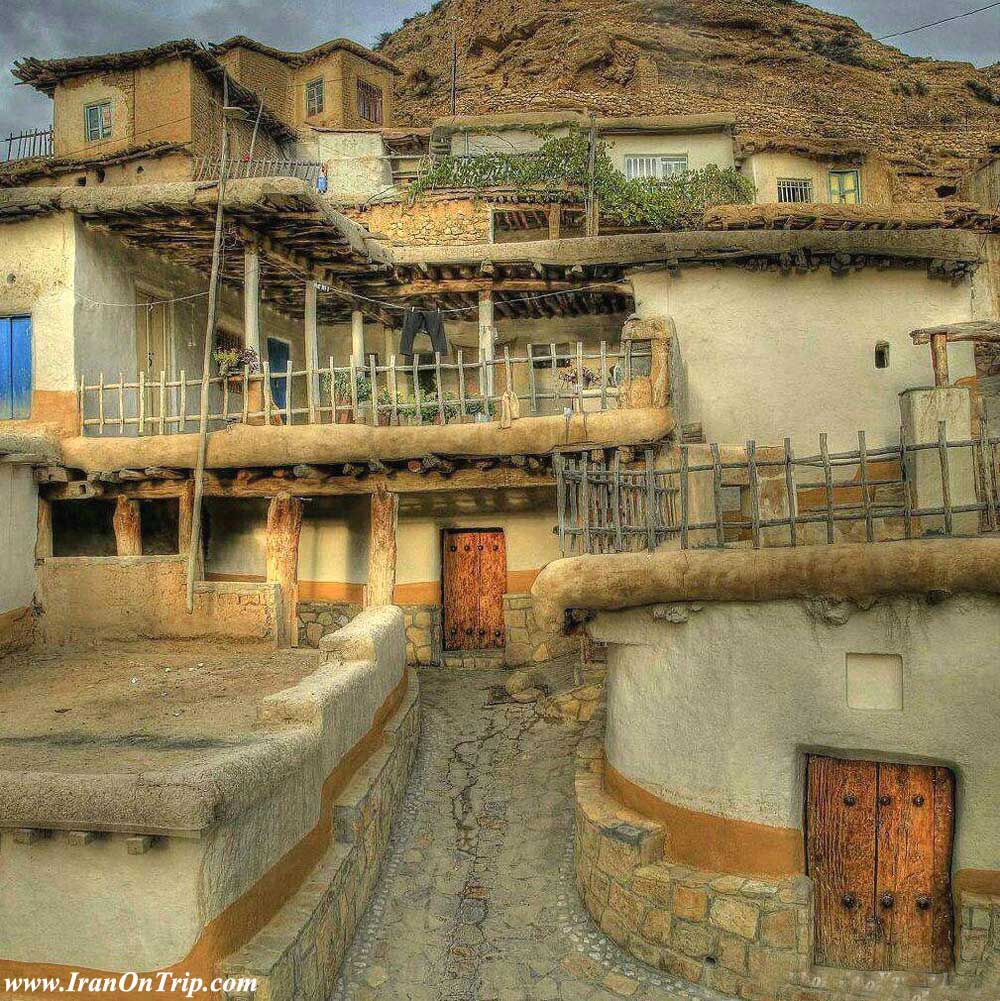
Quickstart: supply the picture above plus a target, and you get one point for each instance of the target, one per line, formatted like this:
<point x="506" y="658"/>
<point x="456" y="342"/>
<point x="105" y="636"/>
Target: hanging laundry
<point x="424" y="321"/>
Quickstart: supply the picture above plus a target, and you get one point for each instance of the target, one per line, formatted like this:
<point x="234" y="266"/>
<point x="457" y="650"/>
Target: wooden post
<point x="185" y="516"/>
<point x="358" y="339"/>
<point x="128" y="527"/>
<point x="555" y="221"/>
<point x="382" y="548"/>
<point x="486" y="340"/>
<point x="251" y="298"/>
<point x="939" y="359"/>
<point x="312" y="353"/>
<point x="284" y="523"/>
<point x="43" y="540"/>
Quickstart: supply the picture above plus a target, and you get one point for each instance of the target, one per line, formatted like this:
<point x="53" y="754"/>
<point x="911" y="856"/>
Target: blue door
<point x="278" y="353"/>
<point x="15" y="368"/>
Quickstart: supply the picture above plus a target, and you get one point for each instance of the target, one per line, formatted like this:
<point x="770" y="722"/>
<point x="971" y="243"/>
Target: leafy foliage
<point x="842" y="48"/>
<point x="563" y="163"/>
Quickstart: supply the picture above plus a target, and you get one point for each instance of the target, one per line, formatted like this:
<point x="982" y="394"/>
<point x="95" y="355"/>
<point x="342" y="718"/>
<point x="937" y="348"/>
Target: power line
<point x="934" y="24"/>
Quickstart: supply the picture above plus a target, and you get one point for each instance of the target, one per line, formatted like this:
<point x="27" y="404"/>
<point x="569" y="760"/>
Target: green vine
<point x="563" y="163"/>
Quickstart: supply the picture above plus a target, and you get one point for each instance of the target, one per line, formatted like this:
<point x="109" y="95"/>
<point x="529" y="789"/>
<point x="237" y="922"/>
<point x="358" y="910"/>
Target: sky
<point x="55" y="28"/>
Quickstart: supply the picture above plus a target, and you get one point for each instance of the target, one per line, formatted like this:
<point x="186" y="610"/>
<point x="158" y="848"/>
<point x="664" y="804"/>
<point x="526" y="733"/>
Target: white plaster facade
<point x="18" y="521"/>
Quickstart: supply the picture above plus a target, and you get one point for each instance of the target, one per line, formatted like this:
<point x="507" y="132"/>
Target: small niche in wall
<point x="882" y="354"/>
<point x="875" y="682"/>
<point x="159" y="521"/>
<point x="83" y="528"/>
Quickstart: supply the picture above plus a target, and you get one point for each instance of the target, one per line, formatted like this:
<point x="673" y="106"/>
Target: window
<point x="795" y="189"/>
<point x="314" y="97"/>
<point x="658" y="167"/>
<point x="882" y="354"/>
<point x="97" y="121"/>
<point x="370" y="102"/>
<point x="845" y="187"/>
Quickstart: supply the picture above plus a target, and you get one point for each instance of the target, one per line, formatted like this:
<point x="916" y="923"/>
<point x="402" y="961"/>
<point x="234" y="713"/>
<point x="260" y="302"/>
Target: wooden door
<point x="152" y="347"/>
<point x="475" y="579"/>
<point x="15" y="368"/>
<point x="879" y="842"/>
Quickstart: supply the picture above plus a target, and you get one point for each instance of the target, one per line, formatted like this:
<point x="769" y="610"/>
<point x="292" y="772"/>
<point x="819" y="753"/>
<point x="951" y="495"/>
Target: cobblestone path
<point x="477" y="900"/>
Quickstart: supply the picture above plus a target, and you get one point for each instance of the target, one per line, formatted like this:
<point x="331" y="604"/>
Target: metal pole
<point x="213" y="302"/>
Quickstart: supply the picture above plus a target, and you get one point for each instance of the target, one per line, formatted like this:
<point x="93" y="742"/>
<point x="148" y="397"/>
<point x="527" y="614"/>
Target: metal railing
<point x="207" y="168"/>
<point x="899" y="491"/>
<point x="28" y="144"/>
<point x="403" y="392"/>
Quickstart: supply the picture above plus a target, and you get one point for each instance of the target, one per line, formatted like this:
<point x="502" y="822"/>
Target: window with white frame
<point x="656" y="166"/>
<point x="314" y="97"/>
<point x="97" y="121"/>
<point x="795" y="189"/>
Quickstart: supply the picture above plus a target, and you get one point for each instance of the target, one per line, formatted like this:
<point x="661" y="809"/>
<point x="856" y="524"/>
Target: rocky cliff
<point x="791" y="73"/>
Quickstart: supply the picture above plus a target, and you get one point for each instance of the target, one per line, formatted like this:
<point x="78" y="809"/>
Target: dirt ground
<point x="126" y="707"/>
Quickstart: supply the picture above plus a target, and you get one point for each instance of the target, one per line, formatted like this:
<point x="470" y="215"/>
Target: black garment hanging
<point x="421" y="321"/>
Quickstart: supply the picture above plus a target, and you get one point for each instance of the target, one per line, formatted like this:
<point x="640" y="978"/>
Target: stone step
<point x="829" y="984"/>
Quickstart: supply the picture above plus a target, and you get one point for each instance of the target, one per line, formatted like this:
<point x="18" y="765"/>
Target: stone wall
<point x="429" y="222"/>
<point x="527" y="642"/>
<point x="744" y="937"/>
<point x="423" y="627"/>
<point x="298" y="955"/>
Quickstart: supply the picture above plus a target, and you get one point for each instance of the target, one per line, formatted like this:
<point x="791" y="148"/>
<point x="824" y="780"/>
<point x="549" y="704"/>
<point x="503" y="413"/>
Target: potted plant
<point x="231" y="363"/>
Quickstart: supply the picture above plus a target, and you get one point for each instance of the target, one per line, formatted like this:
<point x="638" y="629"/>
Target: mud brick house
<point x="456" y="360"/>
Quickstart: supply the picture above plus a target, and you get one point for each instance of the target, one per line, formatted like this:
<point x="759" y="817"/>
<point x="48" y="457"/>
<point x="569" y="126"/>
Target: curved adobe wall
<point x="712" y="710"/>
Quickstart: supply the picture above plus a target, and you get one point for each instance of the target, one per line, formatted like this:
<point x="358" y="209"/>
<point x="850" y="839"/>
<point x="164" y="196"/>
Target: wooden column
<point x="312" y="348"/>
<point x="555" y="221"/>
<point x="185" y="515"/>
<point x="43" y="540"/>
<point x="284" y="523"/>
<point x="251" y="298"/>
<point x="382" y="548"/>
<point x="358" y="338"/>
<point x="128" y="527"/>
<point x="487" y="335"/>
<point x="939" y="359"/>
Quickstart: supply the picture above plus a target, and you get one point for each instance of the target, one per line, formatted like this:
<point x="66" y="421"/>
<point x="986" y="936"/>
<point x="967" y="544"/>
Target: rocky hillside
<point x="790" y="72"/>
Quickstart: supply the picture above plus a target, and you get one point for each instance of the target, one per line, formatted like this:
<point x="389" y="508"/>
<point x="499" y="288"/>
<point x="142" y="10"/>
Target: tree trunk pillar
<point x="43" y="540"/>
<point x="128" y="527"/>
<point x="284" y="523"/>
<point x="382" y="548"/>
<point x="185" y="516"/>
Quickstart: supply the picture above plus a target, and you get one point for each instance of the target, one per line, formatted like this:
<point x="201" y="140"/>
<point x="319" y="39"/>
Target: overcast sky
<point x="52" y="28"/>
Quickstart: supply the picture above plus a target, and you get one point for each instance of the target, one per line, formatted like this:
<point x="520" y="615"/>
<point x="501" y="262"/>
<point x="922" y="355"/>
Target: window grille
<point x="370" y="102"/>
<point x="845" y="187"/>
<point x="314" y="98"/>
<point x="97" y="121"/>
<point x="655" y="166"/>
<point x="795" y="189"/>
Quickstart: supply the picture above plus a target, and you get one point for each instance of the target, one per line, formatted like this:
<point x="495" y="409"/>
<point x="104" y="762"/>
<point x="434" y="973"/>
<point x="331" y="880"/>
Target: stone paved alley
<point x="477" y="900"/>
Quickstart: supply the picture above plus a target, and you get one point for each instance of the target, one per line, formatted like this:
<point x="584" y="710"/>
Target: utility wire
<point x="934" y="24"/>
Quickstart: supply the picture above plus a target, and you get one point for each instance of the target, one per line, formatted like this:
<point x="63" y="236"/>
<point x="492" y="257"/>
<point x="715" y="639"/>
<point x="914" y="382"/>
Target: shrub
<point x="842" y="49"/>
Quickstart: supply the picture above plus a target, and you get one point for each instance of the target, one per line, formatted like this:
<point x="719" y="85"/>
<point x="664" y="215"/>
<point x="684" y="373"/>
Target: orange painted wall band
<point x="249" y="913"/>
<point x="716" y="844"/>
<point x="982" y="881"/>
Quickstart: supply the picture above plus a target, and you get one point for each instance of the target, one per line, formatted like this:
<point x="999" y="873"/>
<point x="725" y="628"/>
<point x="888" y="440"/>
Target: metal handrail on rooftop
<point x="28" y="144"/>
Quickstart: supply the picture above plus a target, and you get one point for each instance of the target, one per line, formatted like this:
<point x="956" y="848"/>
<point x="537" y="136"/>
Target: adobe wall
<point x="768" y="356"/>
<point x="429" y="222"/>
<point x="286" y="833"/>
<point x="700" y="149"/>
<point x="18" y="521"/>
<point x="144" y="597"/>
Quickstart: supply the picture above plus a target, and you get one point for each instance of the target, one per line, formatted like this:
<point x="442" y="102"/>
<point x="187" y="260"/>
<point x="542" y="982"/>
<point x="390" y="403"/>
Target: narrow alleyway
<point x="477" y="900"/>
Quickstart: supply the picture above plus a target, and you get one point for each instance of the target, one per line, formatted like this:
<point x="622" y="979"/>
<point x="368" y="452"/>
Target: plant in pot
<point x="231" y="363"/>
<point x="342" y="392"/>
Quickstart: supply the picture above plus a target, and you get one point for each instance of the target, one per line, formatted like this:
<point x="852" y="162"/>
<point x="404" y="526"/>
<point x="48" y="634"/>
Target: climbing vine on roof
<point x="563" y="162"/>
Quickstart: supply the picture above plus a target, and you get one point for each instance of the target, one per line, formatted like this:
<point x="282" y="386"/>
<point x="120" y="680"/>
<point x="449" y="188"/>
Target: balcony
<point x="29" y="144"/>
<point x="546" y="380"/>
<point x="208" y="168"/>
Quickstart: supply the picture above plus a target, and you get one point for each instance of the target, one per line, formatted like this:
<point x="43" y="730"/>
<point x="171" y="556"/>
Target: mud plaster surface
<point x="135" y="707"/>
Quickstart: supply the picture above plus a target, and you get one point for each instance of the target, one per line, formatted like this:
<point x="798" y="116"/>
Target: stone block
<point x="657" y="926"/>
<point x="654" y="883"/>
<point x="732" y="953"/>
<point x="613" y="925"/>
<point x="779" y="929"/>
<point x="690" y="904"/>
<point x="627" y="904"/>
<point x="682" y="966"/>
<point x="697" y="941"/>
<point x="736" y="916"/>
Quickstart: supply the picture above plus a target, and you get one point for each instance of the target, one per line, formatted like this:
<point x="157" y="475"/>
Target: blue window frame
<point x="15" y="368"/>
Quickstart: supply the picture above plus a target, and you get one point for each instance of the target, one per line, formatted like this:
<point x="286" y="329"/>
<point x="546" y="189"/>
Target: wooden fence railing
<point x="416" y="391"/>
<point x="207" y="168"/>
<point x="777" y="498"/>
<point x="28" y="144"/>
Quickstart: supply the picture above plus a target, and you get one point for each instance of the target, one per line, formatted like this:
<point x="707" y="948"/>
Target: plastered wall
<point x="700" y="149"/>
<point x="764" y="169"/>
<point x="768" y="356"/>
<point x="18" y="525"/>
<point x="713" y="709"/>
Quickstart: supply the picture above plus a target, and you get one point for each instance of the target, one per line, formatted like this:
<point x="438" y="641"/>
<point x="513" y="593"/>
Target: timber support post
<point x="284" y="525"/>
<point x="185" y="516"/>
<point x="382" y="548"/>
<point x="128" y="527"/>
<point x="43" y="540"/>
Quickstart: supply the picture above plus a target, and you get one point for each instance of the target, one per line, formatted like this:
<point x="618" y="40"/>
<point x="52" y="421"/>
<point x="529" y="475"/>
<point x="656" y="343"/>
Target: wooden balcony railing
<point x="428" y="389"/>
<point x="28" y="144"/>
